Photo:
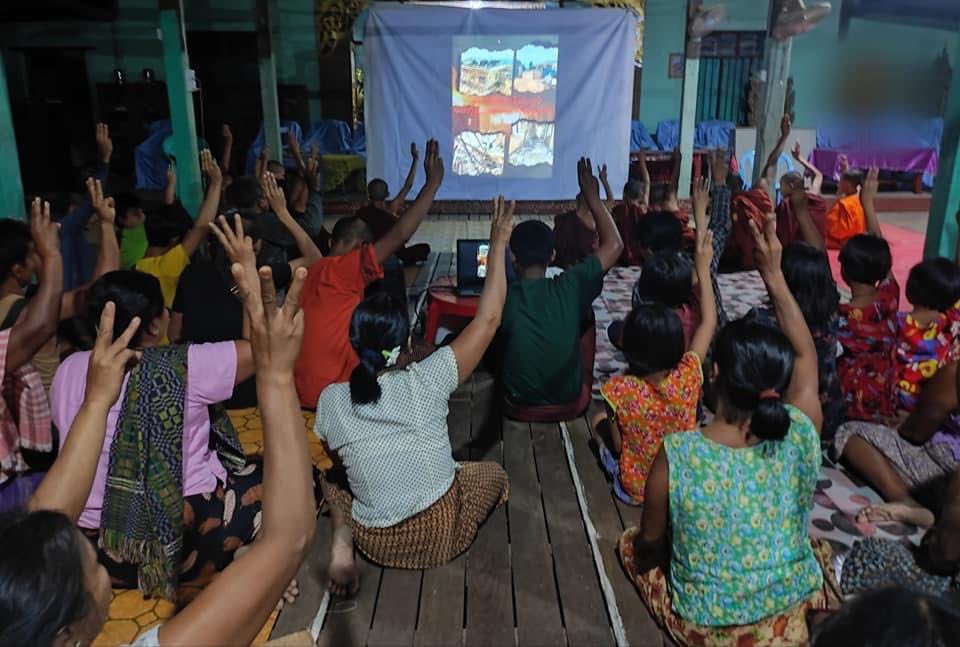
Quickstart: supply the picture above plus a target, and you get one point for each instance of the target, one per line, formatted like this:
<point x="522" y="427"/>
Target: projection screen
<point x="514" y="97"/>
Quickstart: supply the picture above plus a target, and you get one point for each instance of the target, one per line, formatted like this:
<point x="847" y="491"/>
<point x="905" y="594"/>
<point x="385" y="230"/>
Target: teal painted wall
<point x="131" y="43"/>
<point x="815" y="61"/>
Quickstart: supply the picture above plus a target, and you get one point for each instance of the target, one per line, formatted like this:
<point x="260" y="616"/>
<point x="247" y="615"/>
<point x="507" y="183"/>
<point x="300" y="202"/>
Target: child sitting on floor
<point x="659" y="393"/>
<point x="867" y="326"/>
<point x="927" y="336"/>
<point x="667" y="279"/>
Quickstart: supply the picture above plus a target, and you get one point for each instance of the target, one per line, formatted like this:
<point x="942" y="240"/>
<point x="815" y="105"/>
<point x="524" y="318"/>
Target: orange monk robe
<point x="845" y="220"/>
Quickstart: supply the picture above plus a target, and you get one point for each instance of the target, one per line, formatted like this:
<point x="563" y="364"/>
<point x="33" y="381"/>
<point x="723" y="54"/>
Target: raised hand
<point x="294" y="144"/>
<point x="701" y="198"/>
<point x="104" y="143"/>
<point x="603" y="173"/>
<point x="414" y="153"/>
<point x="237" y="245"/>
<point x="433" y="163"/>
<point x="501" y="224"/>
<point x="312" y="172"/>
<point x="45" y="232"/>
<point x="795" y="151"/>
<point x="210" y="167"/>
<point x="110" y="359"/>
<point x="843" y="163"/>
<point x="589" y="186"/>
<point x="227" y="133"/>
<point x="273" y="193"/>
<point x="871" y="184"/>
<point x="719" y="167"/>
<point x="106" y="211"/>
<point x="768" y="250"/>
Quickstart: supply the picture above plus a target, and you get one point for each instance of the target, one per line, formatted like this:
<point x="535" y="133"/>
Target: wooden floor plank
<point x="638" y="624"/>
<point x="396" y="615"/>
<point x="312" y="580"/>
<point x="489" y="617"/>
<point x="441" y="596"/>
<point x="348" y="621"/>
<point x="535" y="590"/>
<point x="584" y="609"/>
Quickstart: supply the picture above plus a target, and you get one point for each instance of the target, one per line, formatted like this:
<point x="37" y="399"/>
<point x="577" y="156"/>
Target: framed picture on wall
<point x="675" y="68"/>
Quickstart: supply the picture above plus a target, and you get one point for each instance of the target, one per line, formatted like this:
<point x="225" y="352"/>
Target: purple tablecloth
<point x="918" y="160"/>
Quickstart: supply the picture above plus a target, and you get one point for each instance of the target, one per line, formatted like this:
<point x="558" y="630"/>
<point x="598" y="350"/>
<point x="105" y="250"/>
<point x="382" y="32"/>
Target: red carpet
<point x="906" y="247"/>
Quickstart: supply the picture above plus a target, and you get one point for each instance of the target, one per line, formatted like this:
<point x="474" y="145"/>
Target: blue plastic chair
<point x="257" y="146"/>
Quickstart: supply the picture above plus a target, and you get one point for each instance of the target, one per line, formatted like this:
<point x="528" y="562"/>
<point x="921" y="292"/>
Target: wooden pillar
<point x="175" y="66"/>
<point x="942" y="226"/>
<point x="11" y="186"/>
<point x="269" y="102"/>
<point x="776" y="71"/>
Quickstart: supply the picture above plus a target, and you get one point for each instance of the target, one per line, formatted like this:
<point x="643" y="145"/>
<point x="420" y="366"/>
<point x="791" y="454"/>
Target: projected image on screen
<point x="504" y="105"/>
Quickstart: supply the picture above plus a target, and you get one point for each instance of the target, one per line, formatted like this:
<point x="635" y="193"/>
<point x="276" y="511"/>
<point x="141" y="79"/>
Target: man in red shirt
<point x="335" y="285"/>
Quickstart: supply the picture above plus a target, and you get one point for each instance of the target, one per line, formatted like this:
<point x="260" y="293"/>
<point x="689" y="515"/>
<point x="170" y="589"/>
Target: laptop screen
<point x="472" y="262"/>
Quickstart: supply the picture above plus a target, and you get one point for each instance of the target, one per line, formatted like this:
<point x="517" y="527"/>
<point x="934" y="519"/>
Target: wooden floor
<point x="530" y="576"/>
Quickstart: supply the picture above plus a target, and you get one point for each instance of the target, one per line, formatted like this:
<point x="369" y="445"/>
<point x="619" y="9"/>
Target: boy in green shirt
<point x="133" y="236"/>
<point x="543" y="318"/>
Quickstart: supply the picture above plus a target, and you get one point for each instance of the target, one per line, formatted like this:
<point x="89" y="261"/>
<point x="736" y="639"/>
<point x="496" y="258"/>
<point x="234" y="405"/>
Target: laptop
<point x="471" y="265"/>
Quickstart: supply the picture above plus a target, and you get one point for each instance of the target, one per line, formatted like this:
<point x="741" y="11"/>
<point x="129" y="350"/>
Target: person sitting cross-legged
<point x="202" y="496"/>
<point x="53" y="592"/>
<point x="406" y="502"/>
<point x="543" y="319"/>
<point x="722" y="555"/>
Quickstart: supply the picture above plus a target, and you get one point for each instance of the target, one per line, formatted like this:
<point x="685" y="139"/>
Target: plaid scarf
<point x="142" y="518"/>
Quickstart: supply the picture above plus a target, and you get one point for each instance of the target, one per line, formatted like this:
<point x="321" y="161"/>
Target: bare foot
<point x="344" y="579"/>
<point x="907" y="512"/>
<point x="290" y="595"/>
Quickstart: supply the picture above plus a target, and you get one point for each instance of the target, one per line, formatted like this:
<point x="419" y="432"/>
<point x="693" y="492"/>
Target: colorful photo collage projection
<point x="504" y="105"/>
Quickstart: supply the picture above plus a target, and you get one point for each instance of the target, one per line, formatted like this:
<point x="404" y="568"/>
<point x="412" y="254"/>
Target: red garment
<point x="750" y="205"/>
<point x="788" y="228"/>
<point x="573" y="241"/>
<point x="24" y="414"/>
<point x="627" y="216"/>
<point x="332" y="291"/>
<point x="378" y="220"/>
<point x="924" y="350"/>
<point x="868" y="366"/>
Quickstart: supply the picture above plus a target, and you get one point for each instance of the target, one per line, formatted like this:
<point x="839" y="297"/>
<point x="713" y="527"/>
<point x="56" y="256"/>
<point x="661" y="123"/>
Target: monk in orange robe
<point x="846" y="218"/>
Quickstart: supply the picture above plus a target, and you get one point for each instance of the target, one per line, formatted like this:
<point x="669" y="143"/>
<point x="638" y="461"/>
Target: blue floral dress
<point x="740" y="550"/>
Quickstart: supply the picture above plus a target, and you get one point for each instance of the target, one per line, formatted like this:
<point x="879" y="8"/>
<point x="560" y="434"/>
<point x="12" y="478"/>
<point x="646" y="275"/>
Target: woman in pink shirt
<point x="165" y="408"/>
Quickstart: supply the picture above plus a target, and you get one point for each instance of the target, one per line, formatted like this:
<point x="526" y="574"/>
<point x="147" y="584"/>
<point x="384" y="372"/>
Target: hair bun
<point x="771" y="420"/>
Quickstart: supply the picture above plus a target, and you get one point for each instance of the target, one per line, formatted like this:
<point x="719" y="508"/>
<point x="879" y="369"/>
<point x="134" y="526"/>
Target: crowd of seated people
<point x="718" y="428"/>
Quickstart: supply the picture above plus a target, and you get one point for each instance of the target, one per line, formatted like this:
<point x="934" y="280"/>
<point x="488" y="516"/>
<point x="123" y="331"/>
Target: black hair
<point x="667" y="278"/>
<point x="378" y="324"/>
<point x="532" y="243"/>
<point x="653" y="339"/>
<point x="377" y="189"/>
<point x="934" y="283"/>
<point x="350" y="228"/>
<point x="14" y="245"/>
<point x="660" y="231"/>
<point x="135" y="294"/>
<point x="853" y="176"/>
<point x="808" y="275"/>
<point x="891" y="617"/>
<point x="660" y="192"/>
<point x="125" y="201"/>
<point x="865" y="258"/>
<point x="633" y="189"/>
<point x="167" y="224"/>
<point x="42" y="584"/>
<point x="754" y="358"/>
<point x="243" y="193"/>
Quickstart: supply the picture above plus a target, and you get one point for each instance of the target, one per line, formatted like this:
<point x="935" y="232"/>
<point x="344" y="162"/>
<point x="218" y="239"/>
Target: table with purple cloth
<point x="915" y="160"/>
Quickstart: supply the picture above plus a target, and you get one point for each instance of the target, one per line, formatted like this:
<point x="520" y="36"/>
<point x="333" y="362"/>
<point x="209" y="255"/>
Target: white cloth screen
<point x="514" y="97"/>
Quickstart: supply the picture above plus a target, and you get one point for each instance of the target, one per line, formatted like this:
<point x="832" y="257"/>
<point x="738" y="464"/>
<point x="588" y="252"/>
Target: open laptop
<point x="471" y="265"/>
